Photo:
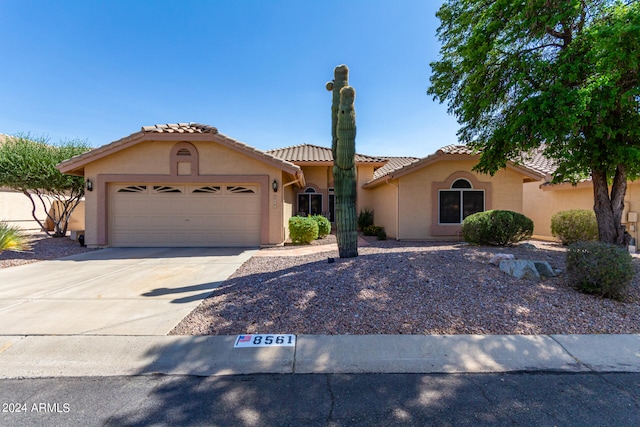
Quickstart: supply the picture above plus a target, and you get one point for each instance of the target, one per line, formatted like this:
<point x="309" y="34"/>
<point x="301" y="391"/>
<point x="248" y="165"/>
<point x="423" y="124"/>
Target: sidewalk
<point x="74" y="356"/>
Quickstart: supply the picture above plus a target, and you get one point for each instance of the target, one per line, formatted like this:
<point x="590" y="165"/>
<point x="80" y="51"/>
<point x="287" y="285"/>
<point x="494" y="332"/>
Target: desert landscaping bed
<point x="391" y="288"/>
<point x="406" y="288"/>
<point x="43" y="248"/>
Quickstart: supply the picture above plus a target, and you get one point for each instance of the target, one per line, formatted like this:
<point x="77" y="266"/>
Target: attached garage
<point x="184" y="185"/>
<point x="167" y="214"/>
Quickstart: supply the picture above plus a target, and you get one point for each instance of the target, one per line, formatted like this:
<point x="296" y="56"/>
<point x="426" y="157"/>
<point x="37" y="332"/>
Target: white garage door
<point x="184" y="215"/>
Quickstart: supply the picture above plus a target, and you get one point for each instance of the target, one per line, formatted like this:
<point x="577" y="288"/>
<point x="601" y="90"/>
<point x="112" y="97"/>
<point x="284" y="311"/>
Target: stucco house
<point x="542" y="200"/>
<point x="187" y="184"/>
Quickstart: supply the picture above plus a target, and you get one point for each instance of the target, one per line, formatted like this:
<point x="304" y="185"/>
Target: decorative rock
<point x="520" y="269"/>
<point x="544" y="268"/>
<point x="527" y="269"/>
<point x="499" y="257"/>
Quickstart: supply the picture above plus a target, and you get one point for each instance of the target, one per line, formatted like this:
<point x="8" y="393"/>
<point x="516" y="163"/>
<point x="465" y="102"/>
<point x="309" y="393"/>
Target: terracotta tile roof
<point x="455" y="149"/>
<point x="314" y="153"/>
<point x="393" y="164"/>
<point x="534" y="160"/>
<point x="401" y="167"/>
<point x="538" y="162"/>
<point x="180" y="128"/>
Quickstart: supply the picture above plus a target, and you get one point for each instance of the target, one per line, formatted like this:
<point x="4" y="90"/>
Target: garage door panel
<point x="158" y="215"/>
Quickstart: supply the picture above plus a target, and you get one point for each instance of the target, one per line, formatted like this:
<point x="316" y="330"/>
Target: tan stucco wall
<point x="318" y="176"/>
<point x="383" y="202"/>
<point x="153" y="158"/>
<point x="289" y="201"/>
<point x="417" y="200"/>
<point x="540" y="205"/>
<point x="76" y="222"/>
<point x="364" y="198"/>
<point x="15" y="209"/>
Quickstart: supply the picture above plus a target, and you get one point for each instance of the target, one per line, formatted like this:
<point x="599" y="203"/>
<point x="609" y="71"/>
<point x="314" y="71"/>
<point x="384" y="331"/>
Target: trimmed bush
<point x="365" y="219"/>
<point x="576" y="225"/>
<point x="382" y="235"/>
<point x="371" y="230"/>
<point x="495" y="227"/>
<point x="302" y="230"/>
<point x="600" y="268"/>
<point x="12" y="238"/>
<point x="324" y="226"/>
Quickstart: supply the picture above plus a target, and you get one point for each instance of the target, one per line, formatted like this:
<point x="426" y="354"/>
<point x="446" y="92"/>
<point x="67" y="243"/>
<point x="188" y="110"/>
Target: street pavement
<point x="521" y="399"/>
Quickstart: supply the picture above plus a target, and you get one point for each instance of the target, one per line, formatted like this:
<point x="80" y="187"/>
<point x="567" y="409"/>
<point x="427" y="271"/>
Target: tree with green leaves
<point x="557" y="76"/>
<point x="28" y="165"/>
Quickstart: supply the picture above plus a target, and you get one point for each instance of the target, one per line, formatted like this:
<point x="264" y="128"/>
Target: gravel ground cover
<point x="406" y="288"/>
<point x="391" y="288"/>
<point x="43" y="247"/>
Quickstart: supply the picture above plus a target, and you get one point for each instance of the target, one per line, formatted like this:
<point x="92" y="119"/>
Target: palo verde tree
<point x="561" y="76"/>
<point x="343" y="148"/>
<point x="29" y="164"/>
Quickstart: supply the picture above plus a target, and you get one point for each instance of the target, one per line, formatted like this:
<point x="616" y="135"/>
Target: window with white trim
<point x="309" y="202"/>
<point x="458" y="202"/>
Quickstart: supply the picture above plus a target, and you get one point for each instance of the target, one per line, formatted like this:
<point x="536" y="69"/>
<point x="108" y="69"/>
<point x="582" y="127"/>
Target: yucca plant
<point x="12" y="238"/>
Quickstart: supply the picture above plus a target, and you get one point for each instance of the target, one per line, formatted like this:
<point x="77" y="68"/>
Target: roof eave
<point x="440" y="156"/>
<point x="75" y="165"/>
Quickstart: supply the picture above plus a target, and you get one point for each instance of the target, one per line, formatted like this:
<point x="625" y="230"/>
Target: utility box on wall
<point x="632" y="217"/>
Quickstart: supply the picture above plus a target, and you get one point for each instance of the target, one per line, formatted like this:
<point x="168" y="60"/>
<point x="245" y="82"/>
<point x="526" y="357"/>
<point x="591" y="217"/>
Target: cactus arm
<point x="340" y="80"/>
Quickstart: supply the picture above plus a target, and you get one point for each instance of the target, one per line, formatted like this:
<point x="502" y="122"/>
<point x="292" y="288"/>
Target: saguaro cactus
<point x="343" y="122"/>
<point x="340" y="80"/>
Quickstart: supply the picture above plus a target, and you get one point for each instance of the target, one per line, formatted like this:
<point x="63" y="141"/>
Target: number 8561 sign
<point x="265" y="340"/>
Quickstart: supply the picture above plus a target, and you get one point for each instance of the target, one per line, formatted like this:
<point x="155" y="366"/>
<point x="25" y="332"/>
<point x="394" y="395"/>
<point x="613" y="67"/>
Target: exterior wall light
<point x="89" y="185"/>
<point x="274" y="185"/>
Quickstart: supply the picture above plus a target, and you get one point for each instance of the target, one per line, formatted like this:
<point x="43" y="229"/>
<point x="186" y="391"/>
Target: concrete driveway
<point x="116" y="291"/>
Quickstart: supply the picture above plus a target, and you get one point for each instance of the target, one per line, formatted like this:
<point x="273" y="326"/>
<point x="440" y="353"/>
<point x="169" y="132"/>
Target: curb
<point x="79" y="356"/>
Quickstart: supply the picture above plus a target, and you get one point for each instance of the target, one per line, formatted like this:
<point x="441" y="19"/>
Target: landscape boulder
<point x="527" y="269"/>
<point x="499" y="257"/>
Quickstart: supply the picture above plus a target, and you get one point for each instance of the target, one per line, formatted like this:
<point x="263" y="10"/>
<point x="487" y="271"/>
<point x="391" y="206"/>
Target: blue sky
<point x="255" y="69"/>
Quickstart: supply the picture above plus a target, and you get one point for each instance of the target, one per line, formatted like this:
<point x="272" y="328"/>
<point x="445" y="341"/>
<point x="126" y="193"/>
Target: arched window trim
<point x="184" y="152"/>
<point x="310" y="201"/>
<point x="468" y="185"/>
<point x="452" y="229"/>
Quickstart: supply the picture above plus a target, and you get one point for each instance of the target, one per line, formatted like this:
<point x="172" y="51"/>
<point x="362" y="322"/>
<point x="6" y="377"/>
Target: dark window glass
<point x="303" y="204"/>
<point x="473" y="201"/>
<point x="316" y="204"/>
<point x="461" y="183"/>
<point x="450" y="207"/>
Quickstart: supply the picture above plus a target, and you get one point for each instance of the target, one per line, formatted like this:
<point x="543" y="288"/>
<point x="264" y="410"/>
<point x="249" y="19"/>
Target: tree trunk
<point x="609" y="206"/>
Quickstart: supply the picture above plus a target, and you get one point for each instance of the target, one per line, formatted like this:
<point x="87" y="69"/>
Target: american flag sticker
<point x="243" y="338"/>
<point x="265" y="340"/>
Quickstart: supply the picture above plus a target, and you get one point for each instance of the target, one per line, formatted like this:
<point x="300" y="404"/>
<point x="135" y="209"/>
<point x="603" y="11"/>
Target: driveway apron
<point x="115" y="291"/>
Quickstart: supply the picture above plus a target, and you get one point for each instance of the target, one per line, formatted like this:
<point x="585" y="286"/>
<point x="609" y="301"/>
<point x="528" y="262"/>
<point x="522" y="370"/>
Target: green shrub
<point x="600" y="268"/>
<point x="303" y="230"/>
<point x="501" y="228"/>
<point x="576" y="225"/>
<point x="365" y="219"/>
<point x="324" y="226"/>
<point x="371" y="230"/>
<point x="12" y="238"/>
<point x="382" y="235"/>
